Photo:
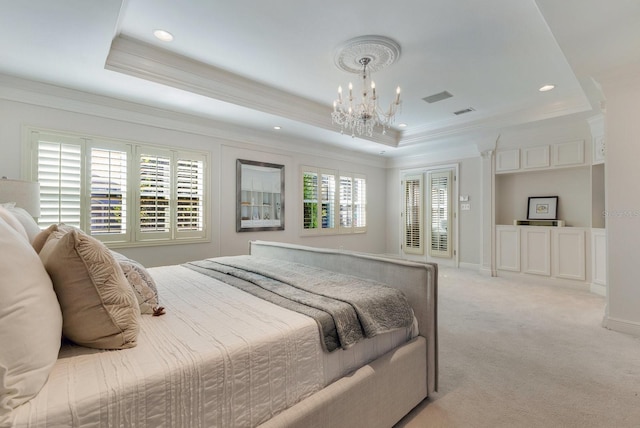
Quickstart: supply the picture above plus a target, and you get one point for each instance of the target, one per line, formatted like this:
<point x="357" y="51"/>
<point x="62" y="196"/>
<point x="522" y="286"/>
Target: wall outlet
<point x="465" y="207"/>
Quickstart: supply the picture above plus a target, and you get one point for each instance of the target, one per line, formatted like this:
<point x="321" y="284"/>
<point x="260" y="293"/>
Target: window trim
<point x="132" y="237"/>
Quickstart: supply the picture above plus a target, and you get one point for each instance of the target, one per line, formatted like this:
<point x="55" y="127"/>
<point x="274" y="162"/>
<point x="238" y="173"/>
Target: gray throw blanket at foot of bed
<point x="346" y="308"/>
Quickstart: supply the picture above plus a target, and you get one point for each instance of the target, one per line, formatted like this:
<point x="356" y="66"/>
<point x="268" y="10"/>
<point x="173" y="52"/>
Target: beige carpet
<point x="528" y="354"/>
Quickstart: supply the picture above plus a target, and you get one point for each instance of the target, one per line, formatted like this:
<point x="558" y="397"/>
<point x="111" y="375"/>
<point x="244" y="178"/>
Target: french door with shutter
<point x="427" y="213"/>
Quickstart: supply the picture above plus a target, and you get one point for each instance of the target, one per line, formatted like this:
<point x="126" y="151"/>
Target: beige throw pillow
<point x="142" y="283"/>
<point x="99" y="308"/>
<point x="41" y="238"/>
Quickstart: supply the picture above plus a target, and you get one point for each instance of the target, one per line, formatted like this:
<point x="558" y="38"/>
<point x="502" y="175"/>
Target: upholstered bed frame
<point x="382" y="392"/>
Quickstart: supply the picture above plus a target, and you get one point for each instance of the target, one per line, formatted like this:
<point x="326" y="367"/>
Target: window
<point x="333" y="202"/>
<point x="108" y="190"/>
<point x="412" y="214"/>
<point x="120" y="192"/>
<point x="359" y="195"/>
<point x="328" y="199"/>
<point x="309" y="200"/>
<point x="59" y="165"/>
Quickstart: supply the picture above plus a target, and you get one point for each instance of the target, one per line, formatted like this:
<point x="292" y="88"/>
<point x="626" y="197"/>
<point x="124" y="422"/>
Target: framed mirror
<point x="260" y="196"/>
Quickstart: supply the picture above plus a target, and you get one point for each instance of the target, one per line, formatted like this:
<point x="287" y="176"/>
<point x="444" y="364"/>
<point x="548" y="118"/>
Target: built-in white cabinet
<point x="568" y="154"/>
<point x="508" y="248"/>
<point x="558" y="155"/>
<point x="535" y="250"/>
<point x="508" y="160"/>
<point x="557" y="252"/>
<point x="569" y="260"/>
<point x="535" y="157"/>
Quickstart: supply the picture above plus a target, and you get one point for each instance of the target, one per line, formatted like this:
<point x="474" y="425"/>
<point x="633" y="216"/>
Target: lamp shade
<point x="26" y="194"/>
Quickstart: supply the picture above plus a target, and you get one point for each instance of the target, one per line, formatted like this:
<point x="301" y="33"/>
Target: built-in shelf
<point x="554" y="223"/>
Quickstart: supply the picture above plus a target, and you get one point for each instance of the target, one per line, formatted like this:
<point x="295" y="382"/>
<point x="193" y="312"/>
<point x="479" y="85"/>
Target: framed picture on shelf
<point x="259" y="195"/>
<point x="542" y="208"/>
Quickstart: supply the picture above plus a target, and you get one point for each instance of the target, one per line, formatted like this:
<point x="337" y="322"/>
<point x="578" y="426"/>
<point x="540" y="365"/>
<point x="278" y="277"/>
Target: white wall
<point x="224" y="152"/>
<point x="622" y="175"/>
<point x="470" y="222"/>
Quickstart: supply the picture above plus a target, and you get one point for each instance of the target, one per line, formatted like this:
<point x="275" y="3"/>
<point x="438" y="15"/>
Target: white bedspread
<point x="219" y="358"/>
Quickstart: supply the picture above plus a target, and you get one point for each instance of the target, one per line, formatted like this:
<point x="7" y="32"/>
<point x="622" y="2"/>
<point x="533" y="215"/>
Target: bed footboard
<point x="418" y="281"/>
<point x="377" y="395"/>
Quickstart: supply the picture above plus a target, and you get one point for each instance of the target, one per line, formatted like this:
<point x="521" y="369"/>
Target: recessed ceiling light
<point x="402" y="125"/>
<point x="277" y="128"/>
<point x="546" y="88"/>
<point x="163" y="35"/>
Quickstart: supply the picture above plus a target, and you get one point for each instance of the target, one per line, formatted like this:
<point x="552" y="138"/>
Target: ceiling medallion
<point x="364" y="55"/>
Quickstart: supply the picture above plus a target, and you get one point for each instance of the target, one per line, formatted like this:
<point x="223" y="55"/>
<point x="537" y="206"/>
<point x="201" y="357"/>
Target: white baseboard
<point x="543" y="279"/>
<point x="471" y="266"/>
<point x="598" y="289"/>
<point x="623" y="326"/>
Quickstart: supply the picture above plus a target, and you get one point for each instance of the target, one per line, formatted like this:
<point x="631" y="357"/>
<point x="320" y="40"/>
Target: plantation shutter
<point x="59" y="172"/>
<point x="310" y="200"/>
<point x="328" y="197"/>
<point x="346" y="201"/>
<point x="412" y="213"/>
<point x="189" y="196"/>
<point x="108" y="196"/>
<point x="154" y="196"/>
<point x="440" y="213"/>
<point x="359" y="202"/>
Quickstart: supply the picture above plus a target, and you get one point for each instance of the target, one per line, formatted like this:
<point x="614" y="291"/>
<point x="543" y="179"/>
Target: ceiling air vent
<point x="437" y="97"/>
<point x="463" y="111"/>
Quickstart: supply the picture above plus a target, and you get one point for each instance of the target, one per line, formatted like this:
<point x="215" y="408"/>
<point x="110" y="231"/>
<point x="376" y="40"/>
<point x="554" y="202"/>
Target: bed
<point x="220" y="356"/>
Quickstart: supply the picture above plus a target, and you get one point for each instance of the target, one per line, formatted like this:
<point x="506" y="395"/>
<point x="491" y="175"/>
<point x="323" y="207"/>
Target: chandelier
<point x="363" y="55"/>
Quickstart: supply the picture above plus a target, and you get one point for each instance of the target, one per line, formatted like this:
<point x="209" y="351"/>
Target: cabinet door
<point x="571" y="153"/>
<point x="508" y="248"/>
<point x="536" y="250"/>
<point x="535" y="157"/>
<point x="569" y="253"/>
<point x="508" y="160"/>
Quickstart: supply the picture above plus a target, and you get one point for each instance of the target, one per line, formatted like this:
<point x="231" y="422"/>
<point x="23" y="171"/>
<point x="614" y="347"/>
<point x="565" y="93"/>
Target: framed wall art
<point x="542" y="208"/>
<point x="260" y="196"/>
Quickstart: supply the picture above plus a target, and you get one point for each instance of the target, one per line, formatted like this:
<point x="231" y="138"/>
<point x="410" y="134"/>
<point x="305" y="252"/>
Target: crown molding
<point x="146" y="61"/>
<point x="55" y="97"/>
<point x="436" y="155"/>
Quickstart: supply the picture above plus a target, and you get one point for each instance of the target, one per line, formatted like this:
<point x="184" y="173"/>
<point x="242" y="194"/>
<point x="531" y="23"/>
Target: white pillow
<point x="29" y="224"/>
<point x="30" y="322"/>
<point x="12" y="221"/>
